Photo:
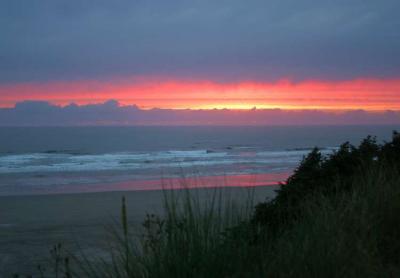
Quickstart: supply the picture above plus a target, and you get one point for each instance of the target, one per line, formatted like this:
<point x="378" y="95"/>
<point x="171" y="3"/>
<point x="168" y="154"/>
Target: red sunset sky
<point x="367" y="94"/>
<point x="291" y="55"/>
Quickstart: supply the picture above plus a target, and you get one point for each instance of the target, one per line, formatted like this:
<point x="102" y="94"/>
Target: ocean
<point x="45" y="160"/>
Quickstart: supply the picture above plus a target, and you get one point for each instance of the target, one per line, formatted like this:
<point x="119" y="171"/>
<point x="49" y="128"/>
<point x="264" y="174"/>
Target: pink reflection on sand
<point x="250" y="180"/>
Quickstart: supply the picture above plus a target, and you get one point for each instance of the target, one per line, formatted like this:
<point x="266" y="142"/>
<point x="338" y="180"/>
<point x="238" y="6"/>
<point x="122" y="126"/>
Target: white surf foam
<point x="62" y="162"/>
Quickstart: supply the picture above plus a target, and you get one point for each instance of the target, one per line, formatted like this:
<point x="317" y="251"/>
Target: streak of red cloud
<point x="367" y="94"/>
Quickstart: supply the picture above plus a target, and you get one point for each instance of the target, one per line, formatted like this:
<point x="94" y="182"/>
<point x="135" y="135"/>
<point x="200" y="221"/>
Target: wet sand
<point x="31" y="225"/>
<point x="56" y="183"/>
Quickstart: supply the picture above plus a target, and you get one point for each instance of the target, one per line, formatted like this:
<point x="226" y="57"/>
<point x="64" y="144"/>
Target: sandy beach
<point x="31" y="225"/>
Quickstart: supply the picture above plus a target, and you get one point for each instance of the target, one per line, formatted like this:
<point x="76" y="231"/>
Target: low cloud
<point x="41" y="113"/>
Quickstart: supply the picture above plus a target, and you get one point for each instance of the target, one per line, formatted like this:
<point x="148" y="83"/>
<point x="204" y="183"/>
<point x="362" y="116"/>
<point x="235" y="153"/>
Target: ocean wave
<point x="64" y="162"/>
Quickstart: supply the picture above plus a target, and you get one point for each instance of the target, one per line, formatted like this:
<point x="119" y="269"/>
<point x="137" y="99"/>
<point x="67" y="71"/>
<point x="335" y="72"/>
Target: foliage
<point x="326" y="176"/>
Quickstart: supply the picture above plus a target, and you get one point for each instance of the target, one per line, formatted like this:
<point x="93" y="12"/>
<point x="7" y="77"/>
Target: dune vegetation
<point x="336" y="216"/>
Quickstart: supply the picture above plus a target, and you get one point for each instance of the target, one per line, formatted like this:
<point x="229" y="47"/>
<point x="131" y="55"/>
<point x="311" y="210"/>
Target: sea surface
<point x="42" y="160"/>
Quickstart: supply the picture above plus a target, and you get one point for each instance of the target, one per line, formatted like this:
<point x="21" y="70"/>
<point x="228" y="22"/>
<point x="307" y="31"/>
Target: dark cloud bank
<point x="34" y="113"/>
<point x="208" y="39"/>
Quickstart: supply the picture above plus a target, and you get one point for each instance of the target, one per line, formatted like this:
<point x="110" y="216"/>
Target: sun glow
<point x="148" y="93"/>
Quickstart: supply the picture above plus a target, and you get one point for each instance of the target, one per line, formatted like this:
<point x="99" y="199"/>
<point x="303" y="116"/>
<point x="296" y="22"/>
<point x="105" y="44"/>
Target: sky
<point x="276" y="54"/>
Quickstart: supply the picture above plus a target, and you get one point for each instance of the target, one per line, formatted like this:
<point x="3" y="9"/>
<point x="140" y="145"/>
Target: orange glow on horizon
<point x="366" y="94"/>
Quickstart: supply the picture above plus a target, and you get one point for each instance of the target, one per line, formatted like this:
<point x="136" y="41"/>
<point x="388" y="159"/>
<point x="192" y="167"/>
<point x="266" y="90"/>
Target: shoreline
<point x="217" y="181"/>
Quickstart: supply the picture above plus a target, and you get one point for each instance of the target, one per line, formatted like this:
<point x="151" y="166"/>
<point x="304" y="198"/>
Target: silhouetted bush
<point x="327" y="176"/>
